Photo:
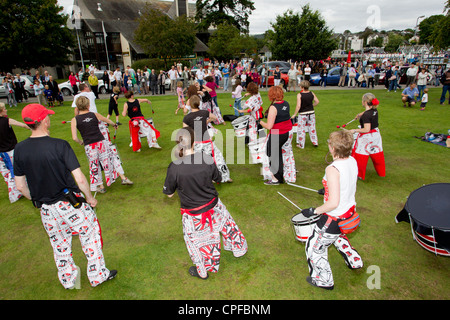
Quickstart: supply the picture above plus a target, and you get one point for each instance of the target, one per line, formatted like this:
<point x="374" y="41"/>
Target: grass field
<point x="142" y="229"/>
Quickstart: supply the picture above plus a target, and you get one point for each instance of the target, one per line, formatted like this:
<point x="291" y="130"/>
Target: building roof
<point x="122" y="16"/>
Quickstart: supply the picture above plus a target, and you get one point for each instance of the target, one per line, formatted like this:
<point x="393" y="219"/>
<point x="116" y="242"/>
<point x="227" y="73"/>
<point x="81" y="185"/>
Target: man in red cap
<point x="48" y="173"/>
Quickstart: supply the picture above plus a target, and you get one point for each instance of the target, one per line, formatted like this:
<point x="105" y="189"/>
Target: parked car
<point x="28" y="86"/>
<point x="270" y="81"/>
<point x="283" y="66"/>
<point x="333" y="77"/>
<point x="67" y="89"/>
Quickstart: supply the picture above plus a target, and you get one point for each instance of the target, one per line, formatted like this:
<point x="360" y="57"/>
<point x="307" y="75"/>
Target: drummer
<point x="205" y="218"/>
<point x="339" y="203"/>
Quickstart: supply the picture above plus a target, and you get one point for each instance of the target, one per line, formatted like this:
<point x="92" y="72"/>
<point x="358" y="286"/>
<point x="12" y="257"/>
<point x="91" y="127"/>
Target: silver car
<point x="28" y="86"/>
<point x="67" y="89"/>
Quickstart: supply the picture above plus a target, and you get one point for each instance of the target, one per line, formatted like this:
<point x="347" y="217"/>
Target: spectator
<point x="19" y="89"/>
<point x="292" y="74"/>
<point x="446" y="87"/>
<point x="173" y="74"/>
<point x="73" y="79"/>
<point x="422" y="79"/>
<point x="342" y="75"/>
<point x="226" y="77"/>
<point x="153" y="80"/>
<point x="411" y="74"/>
<point x="93" y="82"/>
<point x="162" y="82"/>
<point x="410" y="94"/>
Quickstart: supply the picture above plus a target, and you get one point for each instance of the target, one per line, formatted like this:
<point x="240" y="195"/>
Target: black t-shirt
<point x="283" y="111"/>
<point x="47" y="164"/>
<point x="197" y="120"/>
<point x="87" y="124"/>
<point x="369" y="116"/>
<point x="307" y="99"/>
<point x="112" y="101"/>
<point x="134" y="109"/>
<point x="192" y="177"/>
<point x="8" y="138"/>
<point x="277" y="74"/>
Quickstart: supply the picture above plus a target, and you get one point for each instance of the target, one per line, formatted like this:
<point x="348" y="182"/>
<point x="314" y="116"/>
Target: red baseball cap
<point x="36" y="112"/>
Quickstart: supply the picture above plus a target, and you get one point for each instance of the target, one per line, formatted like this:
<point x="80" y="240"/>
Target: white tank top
<point x="348" y="173"/>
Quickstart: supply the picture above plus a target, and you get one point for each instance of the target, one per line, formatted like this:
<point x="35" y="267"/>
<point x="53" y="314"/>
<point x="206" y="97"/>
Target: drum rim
<point x="410" y="212"/>
<point x="242" y="118"/>
<point x="307" y="221"/>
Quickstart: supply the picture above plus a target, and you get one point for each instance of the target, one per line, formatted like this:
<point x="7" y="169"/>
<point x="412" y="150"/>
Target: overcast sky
<point x="342" y="15"/>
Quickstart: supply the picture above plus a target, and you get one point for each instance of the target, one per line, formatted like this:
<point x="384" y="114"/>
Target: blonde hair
<point x="368" y="97"/>
<point x="179" y="83"/>
<point x="194" y="101"/>
<point x="82" y="103"/>
<point x="304" y="84"/>
<point x="116" y="90"/>
<point x="342" y="143"/>
<point x="2" y="106"/>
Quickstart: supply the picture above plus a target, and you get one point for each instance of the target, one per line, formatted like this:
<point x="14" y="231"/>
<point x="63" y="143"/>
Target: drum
<point x="240" y="126"/>
<point x="428" y="211"/>
<point x="303" y="227"/>
<point x="257" y="150"/>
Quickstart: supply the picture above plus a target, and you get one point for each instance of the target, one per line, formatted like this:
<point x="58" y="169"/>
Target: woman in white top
<point x="339" y="203"/>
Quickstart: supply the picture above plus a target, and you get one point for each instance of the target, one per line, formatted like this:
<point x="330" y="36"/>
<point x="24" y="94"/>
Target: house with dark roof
<point x="105" y="30"/>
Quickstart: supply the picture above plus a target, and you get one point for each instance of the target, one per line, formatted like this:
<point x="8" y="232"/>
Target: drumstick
<point x="344" y="125"/>
<point x="290" y="201"/>
<point x="64" y="122"/>
<point x="294" y="185"/>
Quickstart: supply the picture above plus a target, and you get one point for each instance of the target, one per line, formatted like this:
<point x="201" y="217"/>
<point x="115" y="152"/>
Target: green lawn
<point x="142" y="229"/>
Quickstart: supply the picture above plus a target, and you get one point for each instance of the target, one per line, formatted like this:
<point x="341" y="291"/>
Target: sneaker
<point x="311" y="282"/>
<point x="101" y="190"/>
<point x="118" y="123"/>
<point x="112" y="275"/>
<point x="271" y="183"/>
<point x="127" y="181"/>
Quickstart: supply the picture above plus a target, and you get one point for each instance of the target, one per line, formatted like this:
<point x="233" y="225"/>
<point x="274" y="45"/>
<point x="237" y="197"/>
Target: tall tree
<point x="33" y="33"/>
<point x="302" y="36"/>
<point x="160" y="36"/>
<point x="227" y="42"/>
<point x="215" y="12"/>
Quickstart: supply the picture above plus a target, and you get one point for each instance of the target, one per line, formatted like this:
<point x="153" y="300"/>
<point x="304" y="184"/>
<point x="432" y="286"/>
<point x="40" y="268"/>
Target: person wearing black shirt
<point x="8" y="142"/>
<point x="46" y="169"/>
<point x="97" y="149"/>
<point x="139" y="126"/>
<point x="280" y="157"/>
<point x="368" y="141"/>
<point x="204" y="216"/>
<point x="198" y="120"/>
<point x="306" y="101"/>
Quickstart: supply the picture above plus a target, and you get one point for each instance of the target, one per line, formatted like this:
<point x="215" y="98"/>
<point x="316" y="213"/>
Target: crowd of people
<point x="197" y="163"/>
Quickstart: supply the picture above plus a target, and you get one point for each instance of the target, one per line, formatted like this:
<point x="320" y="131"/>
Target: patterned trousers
<point x="289" y="168"/>
<point x="7" y="170"/>
<point x="306" y="123"/>
<point x="203" y="244"/>
<point x="210" y="148"/>
<point x="139" y="128"/>
<point x="61" y="220"/>
<point x="100" y="157"/>
<point x="323" y="236"/>
<point x="369" y="145"/>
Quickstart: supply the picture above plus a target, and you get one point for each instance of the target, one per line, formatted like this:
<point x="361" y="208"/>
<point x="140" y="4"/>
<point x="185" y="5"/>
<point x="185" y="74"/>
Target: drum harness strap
<point x="205" y="215"/>
<point x="344" y="216"/>
<point x="361" y="134"/>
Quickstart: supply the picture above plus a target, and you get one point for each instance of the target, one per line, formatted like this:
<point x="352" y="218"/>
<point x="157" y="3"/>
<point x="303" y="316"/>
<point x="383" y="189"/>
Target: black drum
<point x="428" y="211"/>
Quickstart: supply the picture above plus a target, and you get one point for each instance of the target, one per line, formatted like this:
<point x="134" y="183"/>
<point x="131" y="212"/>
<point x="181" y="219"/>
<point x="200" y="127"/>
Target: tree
<point x="394" y="41"/>
<point x="160" y="36"/>
<point x="216" y="12"/>
<point x="302" y="36"/>
<point x="227" y="42"/>
<point x="33" y="34"/>
<point x="427" y="27"/>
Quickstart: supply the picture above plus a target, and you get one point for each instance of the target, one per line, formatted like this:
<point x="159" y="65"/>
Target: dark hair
<point x="194" y="101"/>
<point x="252" y="88"/>
<point x="209" y="79"/>
<point x="185" y="140"/>
<point x="192" y="90"/>
<point x="129" y="94"/>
